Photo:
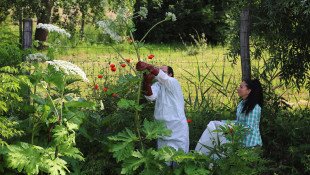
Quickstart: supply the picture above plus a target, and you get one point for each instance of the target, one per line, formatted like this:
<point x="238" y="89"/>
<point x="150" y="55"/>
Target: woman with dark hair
<point x="248" y="114"/>
<point x="249" y="110"/>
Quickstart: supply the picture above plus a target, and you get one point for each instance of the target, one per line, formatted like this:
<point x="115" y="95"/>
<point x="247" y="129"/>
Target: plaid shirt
<point x="251" y="121"/>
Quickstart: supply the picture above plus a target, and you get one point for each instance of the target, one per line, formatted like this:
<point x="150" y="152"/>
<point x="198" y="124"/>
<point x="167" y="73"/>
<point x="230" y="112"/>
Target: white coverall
<point x="169" y="107"/>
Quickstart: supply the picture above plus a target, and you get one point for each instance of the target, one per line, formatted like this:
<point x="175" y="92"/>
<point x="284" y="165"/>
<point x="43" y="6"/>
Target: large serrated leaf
<point x="155" y="129"/>
<point x="124" y="144"/>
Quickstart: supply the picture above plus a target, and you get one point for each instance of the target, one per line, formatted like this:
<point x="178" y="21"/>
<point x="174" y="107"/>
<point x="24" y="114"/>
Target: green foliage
<point x="154" y="129"/>
<point x="10" y="55"/>
<point x="123" y="150"/>
<point x="8" y="129"/>
<point x="49" y="135"/>
<point x="279" y="28"/>
<point x="11" y="89"/>
<point x="200" y="44"/>
<point x="286" y="136"/>
<point x="124" y="146"/>
<point x="32" y="159"/>
<point x="232" y="157"/>
<point x="128" y="104"/>
<point x="192" y="16"/>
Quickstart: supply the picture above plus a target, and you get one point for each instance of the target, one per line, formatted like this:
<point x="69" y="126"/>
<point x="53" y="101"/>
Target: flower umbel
<point x="108" y="28"/>
<point x="68" y="68"/>
<point x="143" y="12"/>
<point x="52" y="28"/>
<point x="170" y="16"/>
<point x="37" y="57"/>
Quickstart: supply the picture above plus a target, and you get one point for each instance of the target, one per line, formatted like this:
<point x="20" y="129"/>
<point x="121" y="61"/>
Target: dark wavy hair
<point x="170" y="71"/>
<point x="254" y="97"/>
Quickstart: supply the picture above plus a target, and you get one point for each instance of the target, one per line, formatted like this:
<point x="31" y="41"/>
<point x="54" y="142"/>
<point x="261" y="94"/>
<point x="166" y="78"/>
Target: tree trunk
<point x="82" y="25"/>
<point x="244" y="43"/>
<point x="20" y="25"/>
<point x="27" y="34"/>
<point x="43" y="16"/>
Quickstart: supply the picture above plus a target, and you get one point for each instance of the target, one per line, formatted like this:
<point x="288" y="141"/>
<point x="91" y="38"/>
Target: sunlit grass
<point x="96" y="59"/>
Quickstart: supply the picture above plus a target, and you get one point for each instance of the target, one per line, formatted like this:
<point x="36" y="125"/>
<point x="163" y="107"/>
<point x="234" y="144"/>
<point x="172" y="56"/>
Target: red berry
<point x="105" y="89"/>
<point x="112" y="65"/>
<point x="114" y="95"/>
<point x="151" y="56"/>
<point x="100" y="76"/>
<point x="96" y="87"/>
<point x="123" y="65"/>
<point x="189" y="121"/>
<point x="128" y="60"/>
<point x="113" y="69"/>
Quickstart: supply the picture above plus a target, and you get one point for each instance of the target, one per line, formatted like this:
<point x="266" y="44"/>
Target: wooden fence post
<point x="244" y="43"/>
<point x="27" y="34"/>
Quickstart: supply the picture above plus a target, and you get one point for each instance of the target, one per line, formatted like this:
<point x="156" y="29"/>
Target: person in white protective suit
<point x="169" y="105"/>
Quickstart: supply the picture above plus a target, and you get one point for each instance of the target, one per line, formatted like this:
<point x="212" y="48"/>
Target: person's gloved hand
<point x="147" y="83"/>
<point x="148" y="78"/>
<point x="140" y="66"/>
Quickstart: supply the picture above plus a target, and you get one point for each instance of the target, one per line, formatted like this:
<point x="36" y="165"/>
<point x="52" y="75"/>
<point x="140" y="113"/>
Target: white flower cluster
<point x="52" y="28"/>
<point x="108" y="29"/>
<point x="143" y="12"/>
<point x="37" y="57"/>
<point x="68" y="68"/>
<point x="170" y="16"/>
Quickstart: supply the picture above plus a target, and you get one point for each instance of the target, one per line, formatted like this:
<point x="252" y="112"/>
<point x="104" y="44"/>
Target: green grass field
<point x="196" y="73"/>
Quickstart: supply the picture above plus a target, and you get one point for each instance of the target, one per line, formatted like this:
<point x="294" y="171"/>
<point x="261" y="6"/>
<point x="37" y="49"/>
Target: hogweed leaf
<point x="165" y="153"/>
<point x="132" y="163"/>
<point x="124" y="144"/>
<point x="70" y="151"/>
<point x="56" y="166"/>
<point x="60" y="134"/>
<point x="155" y="129"/>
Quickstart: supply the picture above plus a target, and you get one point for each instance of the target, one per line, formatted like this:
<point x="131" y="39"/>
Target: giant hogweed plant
<point x="130" y="147"/>
<point x="49" y="142"/>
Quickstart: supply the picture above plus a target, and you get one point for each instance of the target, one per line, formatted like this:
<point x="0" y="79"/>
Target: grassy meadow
<point x="207" y="72"/>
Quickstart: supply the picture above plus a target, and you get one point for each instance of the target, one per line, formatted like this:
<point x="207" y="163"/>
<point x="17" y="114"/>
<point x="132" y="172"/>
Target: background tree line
<point x="277" y="27"/>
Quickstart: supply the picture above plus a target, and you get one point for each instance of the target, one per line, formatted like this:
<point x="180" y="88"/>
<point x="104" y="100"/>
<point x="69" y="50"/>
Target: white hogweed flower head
<point x="37" y="57"/>
<point x="107" y="27"/>
<point x="143" y="12"/>
<point x="53" y="28"/>
<point x="68" y="68"/>
<point x="170" y="16"/>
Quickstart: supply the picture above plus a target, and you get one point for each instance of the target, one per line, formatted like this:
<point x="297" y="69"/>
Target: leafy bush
<point x="10" y="55"/>
<point x="286" y="140"/>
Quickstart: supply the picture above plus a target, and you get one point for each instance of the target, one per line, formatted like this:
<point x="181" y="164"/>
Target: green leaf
<point x="145" y="159"/>
<point x="56" y="166"/>
<point x="165" y="153"/>
<point x="71" y="151"/>
<point x="60" y="134"/>
<point x="38" y="99"/>
<point x="194" y="170"/>
<point x="155" y="129"/>
<point x="80" y="104"/>
<point x="128" y="104"/>
<point x="124" y="144"/>
<point x="133" y="163"/>
<point x="3" y="107"/>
